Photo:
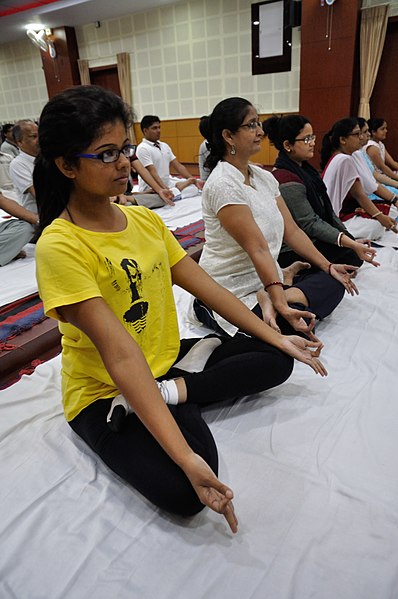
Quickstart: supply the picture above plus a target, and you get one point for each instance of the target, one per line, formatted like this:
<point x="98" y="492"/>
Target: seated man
<point x="5" y="181"/>
<point x="21" y="168"/>
<point x="9" y="146"/>
<point x="157" y="157"/>
<point x="15" y="232"/>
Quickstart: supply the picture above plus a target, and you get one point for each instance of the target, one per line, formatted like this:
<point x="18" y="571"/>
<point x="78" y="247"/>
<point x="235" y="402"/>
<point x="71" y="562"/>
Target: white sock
<point x="196" y="358"/>
<point x="169" y="391"/>
<point x="120" y="408"/>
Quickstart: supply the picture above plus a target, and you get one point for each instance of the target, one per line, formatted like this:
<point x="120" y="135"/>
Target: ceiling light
<point x="35" y="26"/>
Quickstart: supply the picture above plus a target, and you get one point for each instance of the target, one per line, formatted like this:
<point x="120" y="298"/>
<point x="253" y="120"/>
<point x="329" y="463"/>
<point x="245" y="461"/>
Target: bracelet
<point x="339" y="243"/>
<point x="376" y="214"/>
<point x="330" y="268"/>
<point x="273" y="283"/>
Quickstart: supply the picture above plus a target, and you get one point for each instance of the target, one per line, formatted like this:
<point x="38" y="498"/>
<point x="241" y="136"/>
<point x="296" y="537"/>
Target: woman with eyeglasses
<point x="361" y="216"/>
<point x="131" y="389"/>
<point x="246" y="221"/>
<point x="305" y="194"/>
<point x="376" y="150"/>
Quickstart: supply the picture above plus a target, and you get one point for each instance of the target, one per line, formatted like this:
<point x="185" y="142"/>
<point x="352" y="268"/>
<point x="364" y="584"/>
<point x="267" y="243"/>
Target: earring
<point x="288" y="150"/>
<point x="232" y="151"/>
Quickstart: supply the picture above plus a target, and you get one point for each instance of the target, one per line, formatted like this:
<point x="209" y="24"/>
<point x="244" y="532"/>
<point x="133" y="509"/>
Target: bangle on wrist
<point x="330" y="268"/>
<point x="339" y="240"/>
<point x="376" y="214"/>
<point x="273" y="283"/>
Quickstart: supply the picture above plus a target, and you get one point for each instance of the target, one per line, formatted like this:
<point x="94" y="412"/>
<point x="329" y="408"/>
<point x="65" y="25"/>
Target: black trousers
<point x="322" y="291"/>
<point x="334" y="253"/>
<point x="239" y="366"/>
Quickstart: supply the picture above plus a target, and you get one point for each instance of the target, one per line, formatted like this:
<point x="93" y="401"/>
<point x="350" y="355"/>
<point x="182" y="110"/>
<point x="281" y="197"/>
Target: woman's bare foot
<point x="267" y="309"/>
<point x="290" y="271"/>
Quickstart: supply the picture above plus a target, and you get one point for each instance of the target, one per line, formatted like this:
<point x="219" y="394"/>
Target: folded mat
<point x="20" y="315"/>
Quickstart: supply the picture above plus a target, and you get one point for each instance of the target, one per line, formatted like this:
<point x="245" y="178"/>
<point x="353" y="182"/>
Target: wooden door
<point x="106" y="77"/>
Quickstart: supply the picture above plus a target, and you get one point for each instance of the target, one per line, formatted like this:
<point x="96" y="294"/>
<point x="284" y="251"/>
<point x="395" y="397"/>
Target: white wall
<point x="187" y="57"/>
<point x="184" y="59"/>
<point x="393" y="5"/>
<point x="23" y="88"/>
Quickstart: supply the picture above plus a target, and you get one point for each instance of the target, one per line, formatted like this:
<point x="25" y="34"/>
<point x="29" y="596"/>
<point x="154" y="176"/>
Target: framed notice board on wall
<point x="272" y="22"/>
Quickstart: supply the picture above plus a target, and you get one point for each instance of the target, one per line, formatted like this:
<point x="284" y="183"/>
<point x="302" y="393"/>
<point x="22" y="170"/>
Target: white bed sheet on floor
<point x="313" y="465"/>
<point x="18" y="279"/>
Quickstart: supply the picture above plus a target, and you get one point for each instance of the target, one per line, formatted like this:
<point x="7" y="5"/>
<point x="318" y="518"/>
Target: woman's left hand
<point x="211" y="491"/>
<point x="304" y="350"/>
<point x="344" y="273"/>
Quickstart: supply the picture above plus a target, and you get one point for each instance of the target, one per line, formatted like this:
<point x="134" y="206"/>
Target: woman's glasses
<point x="113" y="155"/>
<point x="356" y="134"/>
<point x="252" y="126"/>
<point x="307" y="139"/>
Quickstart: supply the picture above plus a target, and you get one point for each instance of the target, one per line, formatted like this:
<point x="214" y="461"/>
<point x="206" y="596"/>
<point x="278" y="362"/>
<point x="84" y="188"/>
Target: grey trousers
<point x="150" y="200"/>
<point x="14" y="234"/>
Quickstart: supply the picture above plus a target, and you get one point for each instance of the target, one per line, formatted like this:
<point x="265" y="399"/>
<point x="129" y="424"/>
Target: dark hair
<point x="148" y="120"/>
<point x="5" y="129"/>
<point x="375" y="123"/>
<point x="202" y="126"/>
<point x="69" y="123"/>
<point x="361" y="122"/>
<point x="284" y="128"/>
<point x="228" y="114"/>
<point x="331" y="141"/>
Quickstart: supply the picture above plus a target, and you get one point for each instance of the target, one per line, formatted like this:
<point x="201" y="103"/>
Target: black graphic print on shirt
<point x="136" y="314"/>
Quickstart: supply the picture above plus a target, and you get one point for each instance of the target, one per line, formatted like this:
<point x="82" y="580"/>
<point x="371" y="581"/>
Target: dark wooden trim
<point x="104" y="67"/>
<point x="41" y="342"/>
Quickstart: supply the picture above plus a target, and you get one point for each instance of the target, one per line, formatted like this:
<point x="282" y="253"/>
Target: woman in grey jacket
<point x="305" y="194"/>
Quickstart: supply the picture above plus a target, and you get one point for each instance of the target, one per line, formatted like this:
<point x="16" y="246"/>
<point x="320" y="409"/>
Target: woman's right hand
<point x="296" y="319"/>
<point x="365" y="252"/>
<point x="304" y="351"/>
<point x="209" y="489"/>
<point x="388" y="223"/>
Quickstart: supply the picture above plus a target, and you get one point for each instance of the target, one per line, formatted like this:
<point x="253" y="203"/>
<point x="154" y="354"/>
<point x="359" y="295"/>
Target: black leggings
<point x="239" y="366"/>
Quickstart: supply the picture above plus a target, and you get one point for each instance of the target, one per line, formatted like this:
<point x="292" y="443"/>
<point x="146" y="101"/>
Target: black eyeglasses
<point x="252" y="126"/>
<point x="108" y="156"/>
<point x="307" y="139"/>
<point x="355" y="134"/>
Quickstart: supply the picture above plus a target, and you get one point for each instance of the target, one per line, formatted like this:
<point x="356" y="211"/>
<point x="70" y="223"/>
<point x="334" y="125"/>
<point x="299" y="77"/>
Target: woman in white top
<point x="376" y="149"/>
<point x="377" y="185"/>
<point x="349" y="200"/>
<point x="246" y="221"/>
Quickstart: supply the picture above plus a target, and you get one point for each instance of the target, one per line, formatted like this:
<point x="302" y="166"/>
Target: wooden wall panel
<point x="184" y="138"/>
<point x="62" y="71"/>
<point x="327" y="77"/>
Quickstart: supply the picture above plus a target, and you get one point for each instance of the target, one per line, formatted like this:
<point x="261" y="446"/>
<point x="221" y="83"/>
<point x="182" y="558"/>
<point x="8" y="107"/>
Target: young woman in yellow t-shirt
<point x="106" y="273"/>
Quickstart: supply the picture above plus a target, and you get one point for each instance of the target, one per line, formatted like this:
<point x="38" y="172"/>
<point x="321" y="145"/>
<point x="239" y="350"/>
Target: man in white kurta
<point x="21" y="168"/>
<point x="158" y="158"/>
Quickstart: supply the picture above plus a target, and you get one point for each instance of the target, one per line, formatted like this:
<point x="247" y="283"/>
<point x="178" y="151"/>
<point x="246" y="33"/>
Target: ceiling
<point x="55" y="13"/>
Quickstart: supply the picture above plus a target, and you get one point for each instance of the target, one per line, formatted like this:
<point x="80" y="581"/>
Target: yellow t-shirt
<point x="130" y="270"/>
